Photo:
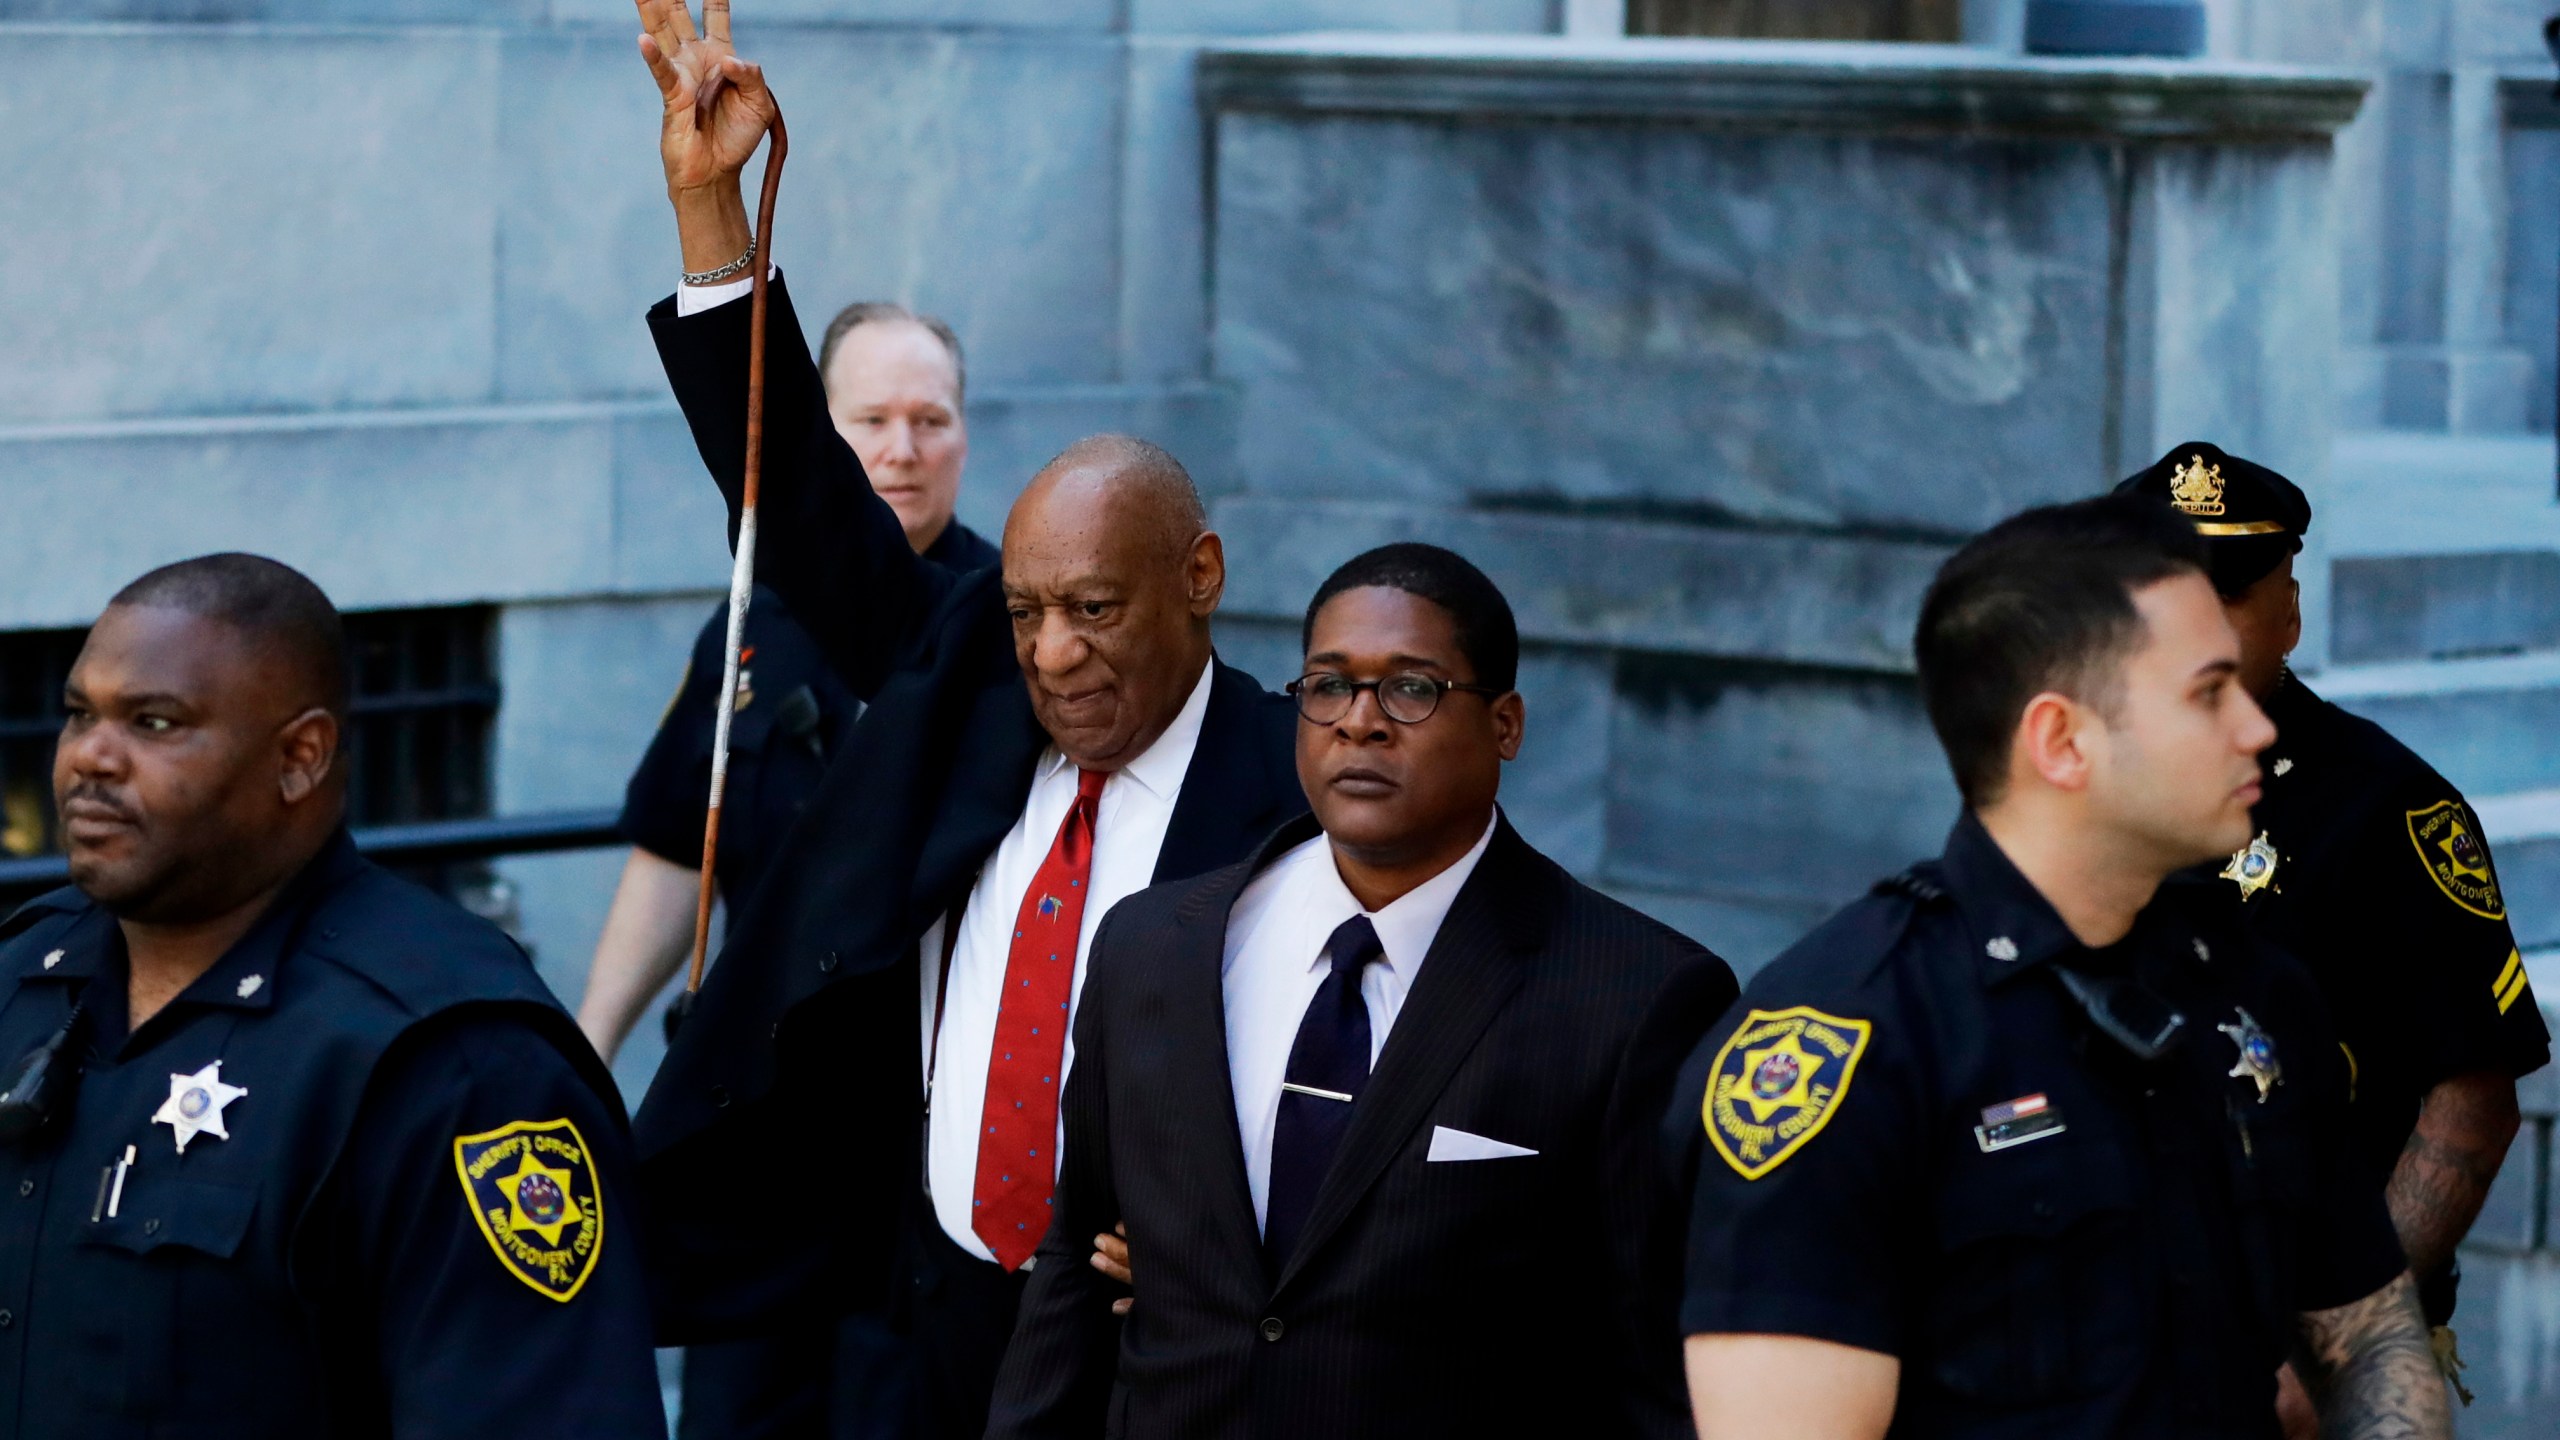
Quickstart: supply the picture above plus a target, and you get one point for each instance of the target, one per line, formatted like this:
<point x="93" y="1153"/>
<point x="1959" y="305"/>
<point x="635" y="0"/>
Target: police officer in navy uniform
<point x="895" y="383"/>
<point x="2372" y="869"/>
<point x="2028" y="1143"/>
<point x="290" y="1146"/>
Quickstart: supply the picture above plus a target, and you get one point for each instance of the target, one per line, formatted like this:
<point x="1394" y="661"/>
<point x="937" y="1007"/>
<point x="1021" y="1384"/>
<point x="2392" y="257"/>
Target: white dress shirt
<point x="1128" y="833"/>
<point x="694" y="299"/>
<point x="1275" y="962"/>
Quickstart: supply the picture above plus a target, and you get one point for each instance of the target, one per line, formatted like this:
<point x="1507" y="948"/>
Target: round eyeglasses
<point x="1407" y="697"/>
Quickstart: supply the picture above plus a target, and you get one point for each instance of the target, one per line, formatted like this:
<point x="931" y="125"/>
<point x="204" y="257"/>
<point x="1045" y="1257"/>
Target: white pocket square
<point x="1448" y="1144"/>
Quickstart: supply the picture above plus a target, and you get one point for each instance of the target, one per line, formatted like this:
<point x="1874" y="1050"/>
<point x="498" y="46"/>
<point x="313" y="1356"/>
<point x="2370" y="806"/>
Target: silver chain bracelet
<point x="714" y="277"/>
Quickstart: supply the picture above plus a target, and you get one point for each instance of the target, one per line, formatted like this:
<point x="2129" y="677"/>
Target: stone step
<point x="2492" y="725"/>
<point x="2441" y="547"/>
<point x="2428" y="607"/>
<point x="2524" y="833"/>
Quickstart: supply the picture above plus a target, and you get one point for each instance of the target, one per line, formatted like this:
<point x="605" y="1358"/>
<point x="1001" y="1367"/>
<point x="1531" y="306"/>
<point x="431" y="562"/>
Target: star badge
<point x="539" y="1199"/>
<point x="195" y="1105"/>
<point x="1778" y="1076"/>
<point x="2253" y="866"/>
<point x="2257" y="1054"/>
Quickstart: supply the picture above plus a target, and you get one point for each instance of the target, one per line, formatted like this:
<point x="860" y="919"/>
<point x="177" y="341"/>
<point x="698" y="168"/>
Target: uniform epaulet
<point x="53" y="902"/>
<point x="1920" y="882"/>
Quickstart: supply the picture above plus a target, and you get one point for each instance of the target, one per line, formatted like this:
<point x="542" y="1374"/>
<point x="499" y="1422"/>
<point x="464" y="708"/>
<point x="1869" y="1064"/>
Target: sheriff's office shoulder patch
<point x="1776" y="1082"/>
<point x="2448" y="839"/>
<point x="532" y="1189"/>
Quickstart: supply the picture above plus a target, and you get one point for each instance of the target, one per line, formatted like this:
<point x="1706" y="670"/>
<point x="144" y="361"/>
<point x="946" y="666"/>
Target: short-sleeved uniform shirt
<point x="2373" y="872"/>
<point x="1910" y="1137"/>
<point x="791" y="715"/>
<point x="349" y="1182"/>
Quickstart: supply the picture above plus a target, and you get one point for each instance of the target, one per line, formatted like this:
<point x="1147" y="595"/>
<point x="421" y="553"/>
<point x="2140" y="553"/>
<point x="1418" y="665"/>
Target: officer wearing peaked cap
<point x="288" y="1146"/>
<point x="2029" y="1143"/>
<point x="2372" y="868"/>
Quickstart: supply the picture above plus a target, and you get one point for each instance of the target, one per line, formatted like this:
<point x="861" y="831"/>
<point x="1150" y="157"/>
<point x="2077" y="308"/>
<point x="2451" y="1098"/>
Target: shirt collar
<point x="1160" y="767"/>
<point x="1408" y="924"/>
<point x="95" y="940"/>
<point x="2014" y="927"/>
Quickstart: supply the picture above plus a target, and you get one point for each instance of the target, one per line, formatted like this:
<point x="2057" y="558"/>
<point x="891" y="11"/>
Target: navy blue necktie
<point x="1327" y="1068"/>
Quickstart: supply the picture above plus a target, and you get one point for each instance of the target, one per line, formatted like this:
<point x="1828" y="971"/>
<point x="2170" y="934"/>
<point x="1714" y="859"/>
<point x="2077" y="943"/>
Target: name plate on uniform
<point x="2015" y="1122"/>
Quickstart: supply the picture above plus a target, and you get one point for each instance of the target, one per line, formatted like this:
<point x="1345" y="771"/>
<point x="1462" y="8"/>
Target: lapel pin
<point x="249" y="985"/>
<point x="2000" y="947"/>
<point x="52" y="958"/>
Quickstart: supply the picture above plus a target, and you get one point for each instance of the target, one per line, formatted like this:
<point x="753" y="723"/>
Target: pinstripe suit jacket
<point x="1524" y="1295"/>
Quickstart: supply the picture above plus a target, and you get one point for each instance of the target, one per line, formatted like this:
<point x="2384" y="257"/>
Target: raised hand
<point x="716" y="110"/>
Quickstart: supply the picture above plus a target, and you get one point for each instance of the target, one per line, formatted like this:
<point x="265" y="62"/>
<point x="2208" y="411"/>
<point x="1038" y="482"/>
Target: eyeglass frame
<point x="1296" y="690"/>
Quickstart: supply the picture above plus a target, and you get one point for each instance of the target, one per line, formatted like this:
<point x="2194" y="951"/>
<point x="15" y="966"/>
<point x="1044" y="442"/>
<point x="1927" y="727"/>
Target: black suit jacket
<point x="1520" y="1296"/>
<point x="782" y="1137"/>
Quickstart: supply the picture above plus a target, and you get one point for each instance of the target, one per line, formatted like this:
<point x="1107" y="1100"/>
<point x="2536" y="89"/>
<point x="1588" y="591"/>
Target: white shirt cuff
<point x="694" y="299"/>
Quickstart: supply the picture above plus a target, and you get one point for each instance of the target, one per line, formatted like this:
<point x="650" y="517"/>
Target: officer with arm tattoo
<point x="2371" y="868"/>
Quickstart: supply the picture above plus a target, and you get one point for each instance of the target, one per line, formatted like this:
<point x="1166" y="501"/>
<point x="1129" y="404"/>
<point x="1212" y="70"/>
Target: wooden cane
<point x="742" y="570"/>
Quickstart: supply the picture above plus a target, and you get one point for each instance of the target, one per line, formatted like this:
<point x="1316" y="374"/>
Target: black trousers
<point x="846" y="1381"/>
<point x="958" y="1313"/>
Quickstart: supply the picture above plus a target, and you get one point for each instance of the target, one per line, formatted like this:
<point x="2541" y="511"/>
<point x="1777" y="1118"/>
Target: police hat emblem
<point x="2196" y="488"/>
<point x="531" y="1186"/>
<point x="2448" y="839"/>
<point x="1776" y="1082"/>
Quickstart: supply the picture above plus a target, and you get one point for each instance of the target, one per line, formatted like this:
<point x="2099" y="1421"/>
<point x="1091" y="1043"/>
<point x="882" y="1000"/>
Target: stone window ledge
<point x="1784" y="85"/>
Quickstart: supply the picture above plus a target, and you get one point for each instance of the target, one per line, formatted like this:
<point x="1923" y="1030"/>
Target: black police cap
<point x="2250" y="516"/>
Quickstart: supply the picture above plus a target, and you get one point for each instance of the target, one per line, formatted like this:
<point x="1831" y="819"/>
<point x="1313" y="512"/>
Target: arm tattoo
<point x="2445" y="1171"/>
<point x="2369" y="1369"/>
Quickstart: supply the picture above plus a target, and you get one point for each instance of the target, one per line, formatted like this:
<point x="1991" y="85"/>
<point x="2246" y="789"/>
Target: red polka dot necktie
<point x="1018" y="1132"/>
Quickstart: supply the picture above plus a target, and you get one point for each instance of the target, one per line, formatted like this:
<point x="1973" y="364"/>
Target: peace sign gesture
<point x="717" y="110"/>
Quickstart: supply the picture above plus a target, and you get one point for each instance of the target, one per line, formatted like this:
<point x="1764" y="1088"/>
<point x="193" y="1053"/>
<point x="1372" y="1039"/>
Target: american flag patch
<point x="2015" y="1122"/>
<point x="2008" y="1110"/>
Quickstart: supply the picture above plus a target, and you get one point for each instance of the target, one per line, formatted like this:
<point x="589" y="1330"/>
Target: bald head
<point x="1110" y="576"/>
<point x="1132" y="482"/>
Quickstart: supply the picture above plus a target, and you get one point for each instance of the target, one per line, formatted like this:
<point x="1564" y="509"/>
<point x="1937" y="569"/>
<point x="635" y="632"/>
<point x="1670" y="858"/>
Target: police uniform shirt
<point x="350" y="1181"/>
<point x="1911" y="1138"/>
<point x="791" y="714"/>
<point x="2374" y="872"/>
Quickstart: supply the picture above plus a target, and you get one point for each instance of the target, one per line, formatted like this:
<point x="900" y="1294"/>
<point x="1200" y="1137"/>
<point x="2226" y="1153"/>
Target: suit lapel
<point x="1198" y="1024"/>
<point x="1002" y="741"/>
<point x="1230" y="797"/>
<point x="1475" y="965"/>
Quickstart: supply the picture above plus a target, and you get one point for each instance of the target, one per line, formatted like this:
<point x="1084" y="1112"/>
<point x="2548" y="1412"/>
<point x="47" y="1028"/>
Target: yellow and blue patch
<point x="532" y="1188"/>
<point x="1776" y="1083"/>
<point x="2448" y="839"/>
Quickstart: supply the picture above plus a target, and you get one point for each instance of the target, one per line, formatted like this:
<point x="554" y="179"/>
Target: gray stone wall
<point x="1709" y="353"/>
<point x="358" y="283"/>
<point x="2450" y="235"/>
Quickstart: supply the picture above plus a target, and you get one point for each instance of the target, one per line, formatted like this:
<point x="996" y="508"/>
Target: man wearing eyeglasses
<point x="1368" y="1102"/>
